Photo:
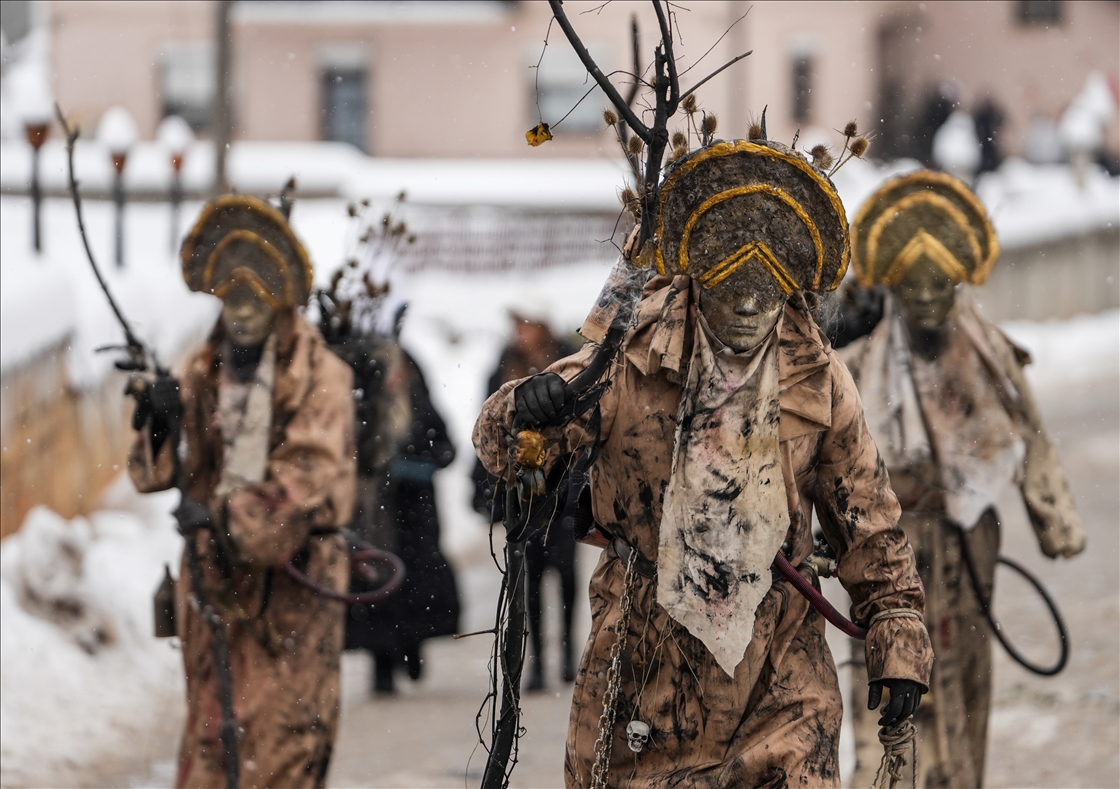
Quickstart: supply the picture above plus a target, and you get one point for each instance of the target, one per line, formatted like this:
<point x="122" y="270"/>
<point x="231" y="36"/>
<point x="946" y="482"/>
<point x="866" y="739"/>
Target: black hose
<point x="360" y="560"/>
<point x="985" y="601"/>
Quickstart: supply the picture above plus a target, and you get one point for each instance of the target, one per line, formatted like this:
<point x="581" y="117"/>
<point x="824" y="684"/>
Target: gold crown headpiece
<point x="739" y="203"/>
<point x="923" y="214"/>
<point x="240" y="239"/>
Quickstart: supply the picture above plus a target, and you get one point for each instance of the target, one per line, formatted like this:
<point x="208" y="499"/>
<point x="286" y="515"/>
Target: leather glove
<point x="905" y="697"/>
<point x="540" y="399"/>
<point x="192" y="515"/>
<point x="158" y="405"/>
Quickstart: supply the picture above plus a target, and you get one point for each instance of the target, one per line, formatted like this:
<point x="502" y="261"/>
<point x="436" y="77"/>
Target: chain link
<point x="614" y="679"/>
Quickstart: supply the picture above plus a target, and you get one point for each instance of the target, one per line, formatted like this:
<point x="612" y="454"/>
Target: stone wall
<point x="1056" y="279"/>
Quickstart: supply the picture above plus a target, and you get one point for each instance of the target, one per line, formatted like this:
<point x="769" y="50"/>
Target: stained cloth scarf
<point x="956" y="409"/>
<point x="725" y="511"/>
<point x="245" y="413"/>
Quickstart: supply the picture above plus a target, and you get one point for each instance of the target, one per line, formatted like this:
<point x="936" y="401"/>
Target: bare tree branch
<point x="609" y="89"/>
<point x="716" y="44"/>
<point x="731" y="62"/>
<point x="670" y="59"/>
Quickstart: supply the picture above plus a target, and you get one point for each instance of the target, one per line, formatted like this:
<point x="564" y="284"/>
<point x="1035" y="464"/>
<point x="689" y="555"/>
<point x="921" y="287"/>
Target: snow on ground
<point x="81" y="674"/>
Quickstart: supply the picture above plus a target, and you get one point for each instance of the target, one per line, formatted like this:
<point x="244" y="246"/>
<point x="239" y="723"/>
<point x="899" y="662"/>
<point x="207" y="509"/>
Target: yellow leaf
<point x="538" y="135"/>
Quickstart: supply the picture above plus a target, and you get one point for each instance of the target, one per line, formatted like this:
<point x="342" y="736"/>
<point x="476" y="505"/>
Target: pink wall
<point x="455" y="82"/>
<point x="1028" y="70"/>
<point x="108" y="52"/>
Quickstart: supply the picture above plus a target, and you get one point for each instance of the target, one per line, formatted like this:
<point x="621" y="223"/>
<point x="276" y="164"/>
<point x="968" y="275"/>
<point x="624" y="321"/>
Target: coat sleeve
<point x="311" y="477"/>
<point x="859" y="514"/>
<point x="496" y="419"/>
<point x="1045" y="488"/>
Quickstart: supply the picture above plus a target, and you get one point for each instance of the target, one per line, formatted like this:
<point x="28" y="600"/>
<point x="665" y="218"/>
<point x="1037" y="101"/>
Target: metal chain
<point x="614" y="673"/>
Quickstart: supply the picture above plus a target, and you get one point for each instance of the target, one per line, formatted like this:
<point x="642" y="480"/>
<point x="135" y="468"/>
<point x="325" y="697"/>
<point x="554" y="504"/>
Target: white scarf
<point x="725" y="512"/>
<point x="245" y="411"/>
<point x="978" y="450"/>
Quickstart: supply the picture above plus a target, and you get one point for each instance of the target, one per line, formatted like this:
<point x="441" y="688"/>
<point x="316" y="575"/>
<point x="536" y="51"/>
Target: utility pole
<point x="223" y="110"/>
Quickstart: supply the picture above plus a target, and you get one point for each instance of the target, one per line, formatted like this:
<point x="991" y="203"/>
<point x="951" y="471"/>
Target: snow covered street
<point x="107" y="712"/>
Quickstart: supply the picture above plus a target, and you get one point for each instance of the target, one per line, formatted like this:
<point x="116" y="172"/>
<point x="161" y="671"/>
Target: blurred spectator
<point x="938" y="107"/>
<point x="1042" y="144"/>
<point x="532" y="348"/>
<point x="955" y="147"/>
<point x="1081" y="128"/>
<point x="989" y="119"/>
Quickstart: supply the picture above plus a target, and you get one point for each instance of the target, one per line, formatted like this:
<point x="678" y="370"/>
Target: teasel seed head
<point x="708" y="125"/>
<point x="634" y="145"/>
<point x="822" y="158"/>
<point x="678" y="140"/>
<point x="859" y="147"/>
<point x="690" y="104"/>
<point x="609" y="117"/>
<point x="754" y="132"/>
<point x="851" y="129"/>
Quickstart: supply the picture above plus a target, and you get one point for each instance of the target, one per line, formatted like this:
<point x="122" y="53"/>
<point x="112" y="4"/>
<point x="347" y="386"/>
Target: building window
<point x="187" y="75"/>
<point x="1041" y="12"/>
<point x="560" y="82"/>
<point x="344" y="106"/>
<point x="802" y="73"/>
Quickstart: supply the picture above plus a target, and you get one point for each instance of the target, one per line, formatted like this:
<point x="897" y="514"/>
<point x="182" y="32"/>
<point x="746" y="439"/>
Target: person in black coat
<point x="532" y="348"/>
<point x="427" y="603"/>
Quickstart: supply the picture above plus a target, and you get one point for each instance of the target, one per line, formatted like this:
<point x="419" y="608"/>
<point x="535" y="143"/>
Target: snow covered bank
<point x="82" y="676"/>
<point x="1029" y="203"/>
<point x="46" y="298"/>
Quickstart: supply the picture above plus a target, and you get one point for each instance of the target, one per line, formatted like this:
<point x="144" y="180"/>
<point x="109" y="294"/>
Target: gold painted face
<point x="741" y="315"/>
<point x="926" y="294"/>
<point x="246" y="317"/>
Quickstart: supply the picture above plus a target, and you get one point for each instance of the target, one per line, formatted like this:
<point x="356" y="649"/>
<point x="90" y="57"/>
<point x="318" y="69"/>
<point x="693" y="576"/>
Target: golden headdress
<point x="240" y="239"/>
<point x="737" y="203"/>
<point x="928" y="214"/>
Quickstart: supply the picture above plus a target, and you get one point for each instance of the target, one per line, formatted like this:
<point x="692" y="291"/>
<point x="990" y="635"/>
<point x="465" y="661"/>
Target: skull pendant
<point x="637" y="735"/>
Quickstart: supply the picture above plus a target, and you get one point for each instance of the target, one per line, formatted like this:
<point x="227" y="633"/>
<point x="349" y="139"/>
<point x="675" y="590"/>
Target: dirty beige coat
<point x="285" y="641"/>
<point x="777" y="721"/>
<point x="978" y="372"/>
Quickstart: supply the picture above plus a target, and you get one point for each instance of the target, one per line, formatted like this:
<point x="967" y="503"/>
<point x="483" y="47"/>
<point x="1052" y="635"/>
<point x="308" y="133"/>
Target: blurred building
<point x="458" y="79"/>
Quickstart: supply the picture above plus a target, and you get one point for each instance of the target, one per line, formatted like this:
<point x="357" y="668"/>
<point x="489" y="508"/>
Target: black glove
<point x="158" y="405"/>
<point x="540" y="399"/>
<point x="192" y="515"/>
<point x="905" y="697"/>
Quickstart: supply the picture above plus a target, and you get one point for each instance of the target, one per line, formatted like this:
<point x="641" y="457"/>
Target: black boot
<point x="383" y="674"/>
<point x="412" y="660"/>
<point x="536" y="675"/>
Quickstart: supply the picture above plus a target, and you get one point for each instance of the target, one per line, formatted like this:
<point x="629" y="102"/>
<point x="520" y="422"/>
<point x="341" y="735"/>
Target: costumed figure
<point x="268" y="481"/>
<point x="532" y="348"/>
<point x="400" y="515"/>
<point x="402" y="441"/>
<point x="726" y="421"/>
<point x="949" y="407"/>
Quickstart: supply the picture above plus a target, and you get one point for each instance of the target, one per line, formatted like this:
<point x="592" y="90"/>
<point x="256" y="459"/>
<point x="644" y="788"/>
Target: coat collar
<point x="661" y="342"/>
